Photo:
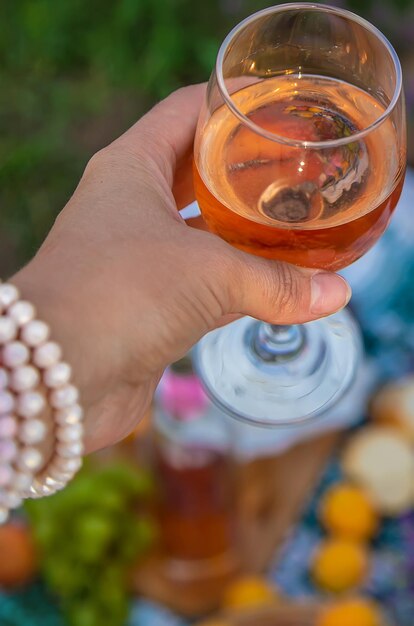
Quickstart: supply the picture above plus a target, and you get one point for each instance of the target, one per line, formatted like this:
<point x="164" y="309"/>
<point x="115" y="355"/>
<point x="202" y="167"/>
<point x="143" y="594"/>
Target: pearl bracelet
<point x="34" y="380"/>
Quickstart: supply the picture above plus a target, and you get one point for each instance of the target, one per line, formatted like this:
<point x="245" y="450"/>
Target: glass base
<point x="279" y="375"/>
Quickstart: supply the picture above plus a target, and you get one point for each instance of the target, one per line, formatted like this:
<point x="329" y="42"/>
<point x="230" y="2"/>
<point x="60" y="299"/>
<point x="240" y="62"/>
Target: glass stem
<point x="278" y="344"/>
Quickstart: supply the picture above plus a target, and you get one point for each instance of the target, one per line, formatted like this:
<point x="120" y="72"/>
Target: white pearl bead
<point x="47" y="355"/>
<point x="35" y="333"/>
<point x="8" y="329"/>
<point x="57" y="375"/>
<point x="4" y="514"/>
<point x="6" y="475"/>
<point x="4" y="378"/>
<point x="38" y="489"/>
<point x="70" y="415"/>
<point x="52" y="483"/>
<point x="21" y="312"/>
<point x="67" y="434"/>
<point x="64" y="397"/>
<point x="30" y="404"/>
<point x="22" y="481"/>
<point x="66" y="465"/>
<point x="8" y="450"/>
<point x="59" y="475"/>
<point x="34" y="488"/>
<point x="11" y="500"/>
<point x="15" y="354"/>
<point x="8" y="295"/>
<point x="7" y="402"/>
<point x="24" y="378"/>
<point x="32" y="431"/>
<point x="70" y="450"/>
<point x="47" y="490"/>
<point x="8" y="426"/>
<point x="30" y="459"/>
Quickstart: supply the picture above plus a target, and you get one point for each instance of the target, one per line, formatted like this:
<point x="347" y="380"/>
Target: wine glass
<point x="299" y="156"/>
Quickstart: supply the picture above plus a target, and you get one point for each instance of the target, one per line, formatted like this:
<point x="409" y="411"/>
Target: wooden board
<point x="285" y="614"/>
<point x="272" y="493"/>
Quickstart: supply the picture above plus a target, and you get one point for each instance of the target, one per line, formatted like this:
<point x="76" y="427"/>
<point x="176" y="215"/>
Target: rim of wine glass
<point x="331" y="143"/>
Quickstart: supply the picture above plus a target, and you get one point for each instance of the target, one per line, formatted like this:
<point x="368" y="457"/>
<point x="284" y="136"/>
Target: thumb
<point x="280" y="293"/>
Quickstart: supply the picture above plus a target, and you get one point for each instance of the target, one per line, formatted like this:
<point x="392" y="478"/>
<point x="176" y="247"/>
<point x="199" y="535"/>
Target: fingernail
<point x="329" y="293"/>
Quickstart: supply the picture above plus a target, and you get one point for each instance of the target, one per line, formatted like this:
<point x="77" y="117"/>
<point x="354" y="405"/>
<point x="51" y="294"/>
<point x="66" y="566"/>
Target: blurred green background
<point x="76" y="73"/>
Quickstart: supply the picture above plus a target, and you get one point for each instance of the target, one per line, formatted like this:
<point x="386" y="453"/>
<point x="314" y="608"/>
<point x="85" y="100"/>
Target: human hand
<point x="128" y="286"/>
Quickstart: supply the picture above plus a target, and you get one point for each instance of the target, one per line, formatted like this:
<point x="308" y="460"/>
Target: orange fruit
<point x="248" y="591"/>
<point x="18" y="560"/>
<point x="339" y="564"/>
<point x="347" y="511"/>
<point x="351" y="612"/>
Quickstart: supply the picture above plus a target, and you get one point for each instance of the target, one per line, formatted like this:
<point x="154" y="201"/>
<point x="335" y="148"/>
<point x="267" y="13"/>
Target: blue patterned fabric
<point x="391" y="577"/>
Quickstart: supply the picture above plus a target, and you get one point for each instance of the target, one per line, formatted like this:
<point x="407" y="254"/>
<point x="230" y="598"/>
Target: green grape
<point x="83" y="576"/>
<point x="113" y="596"/>
<point x="92" y="553"/>
<point x="128" y="478"/>
<point x="141" y="534"/>
<point x="129" y="551"/>
<point x="93" y="533"/>
<point x="108" y="596"/>
<point x="142" y="484"/>
<point x="145" y="530"/>
<point x="83" y="614"/>
<point x="117" y="608"/>
<point x="111" y="501"/>
<point x="59" y="575"/>
<point x="112" y="618"/>
<point x="45" y="532"/>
